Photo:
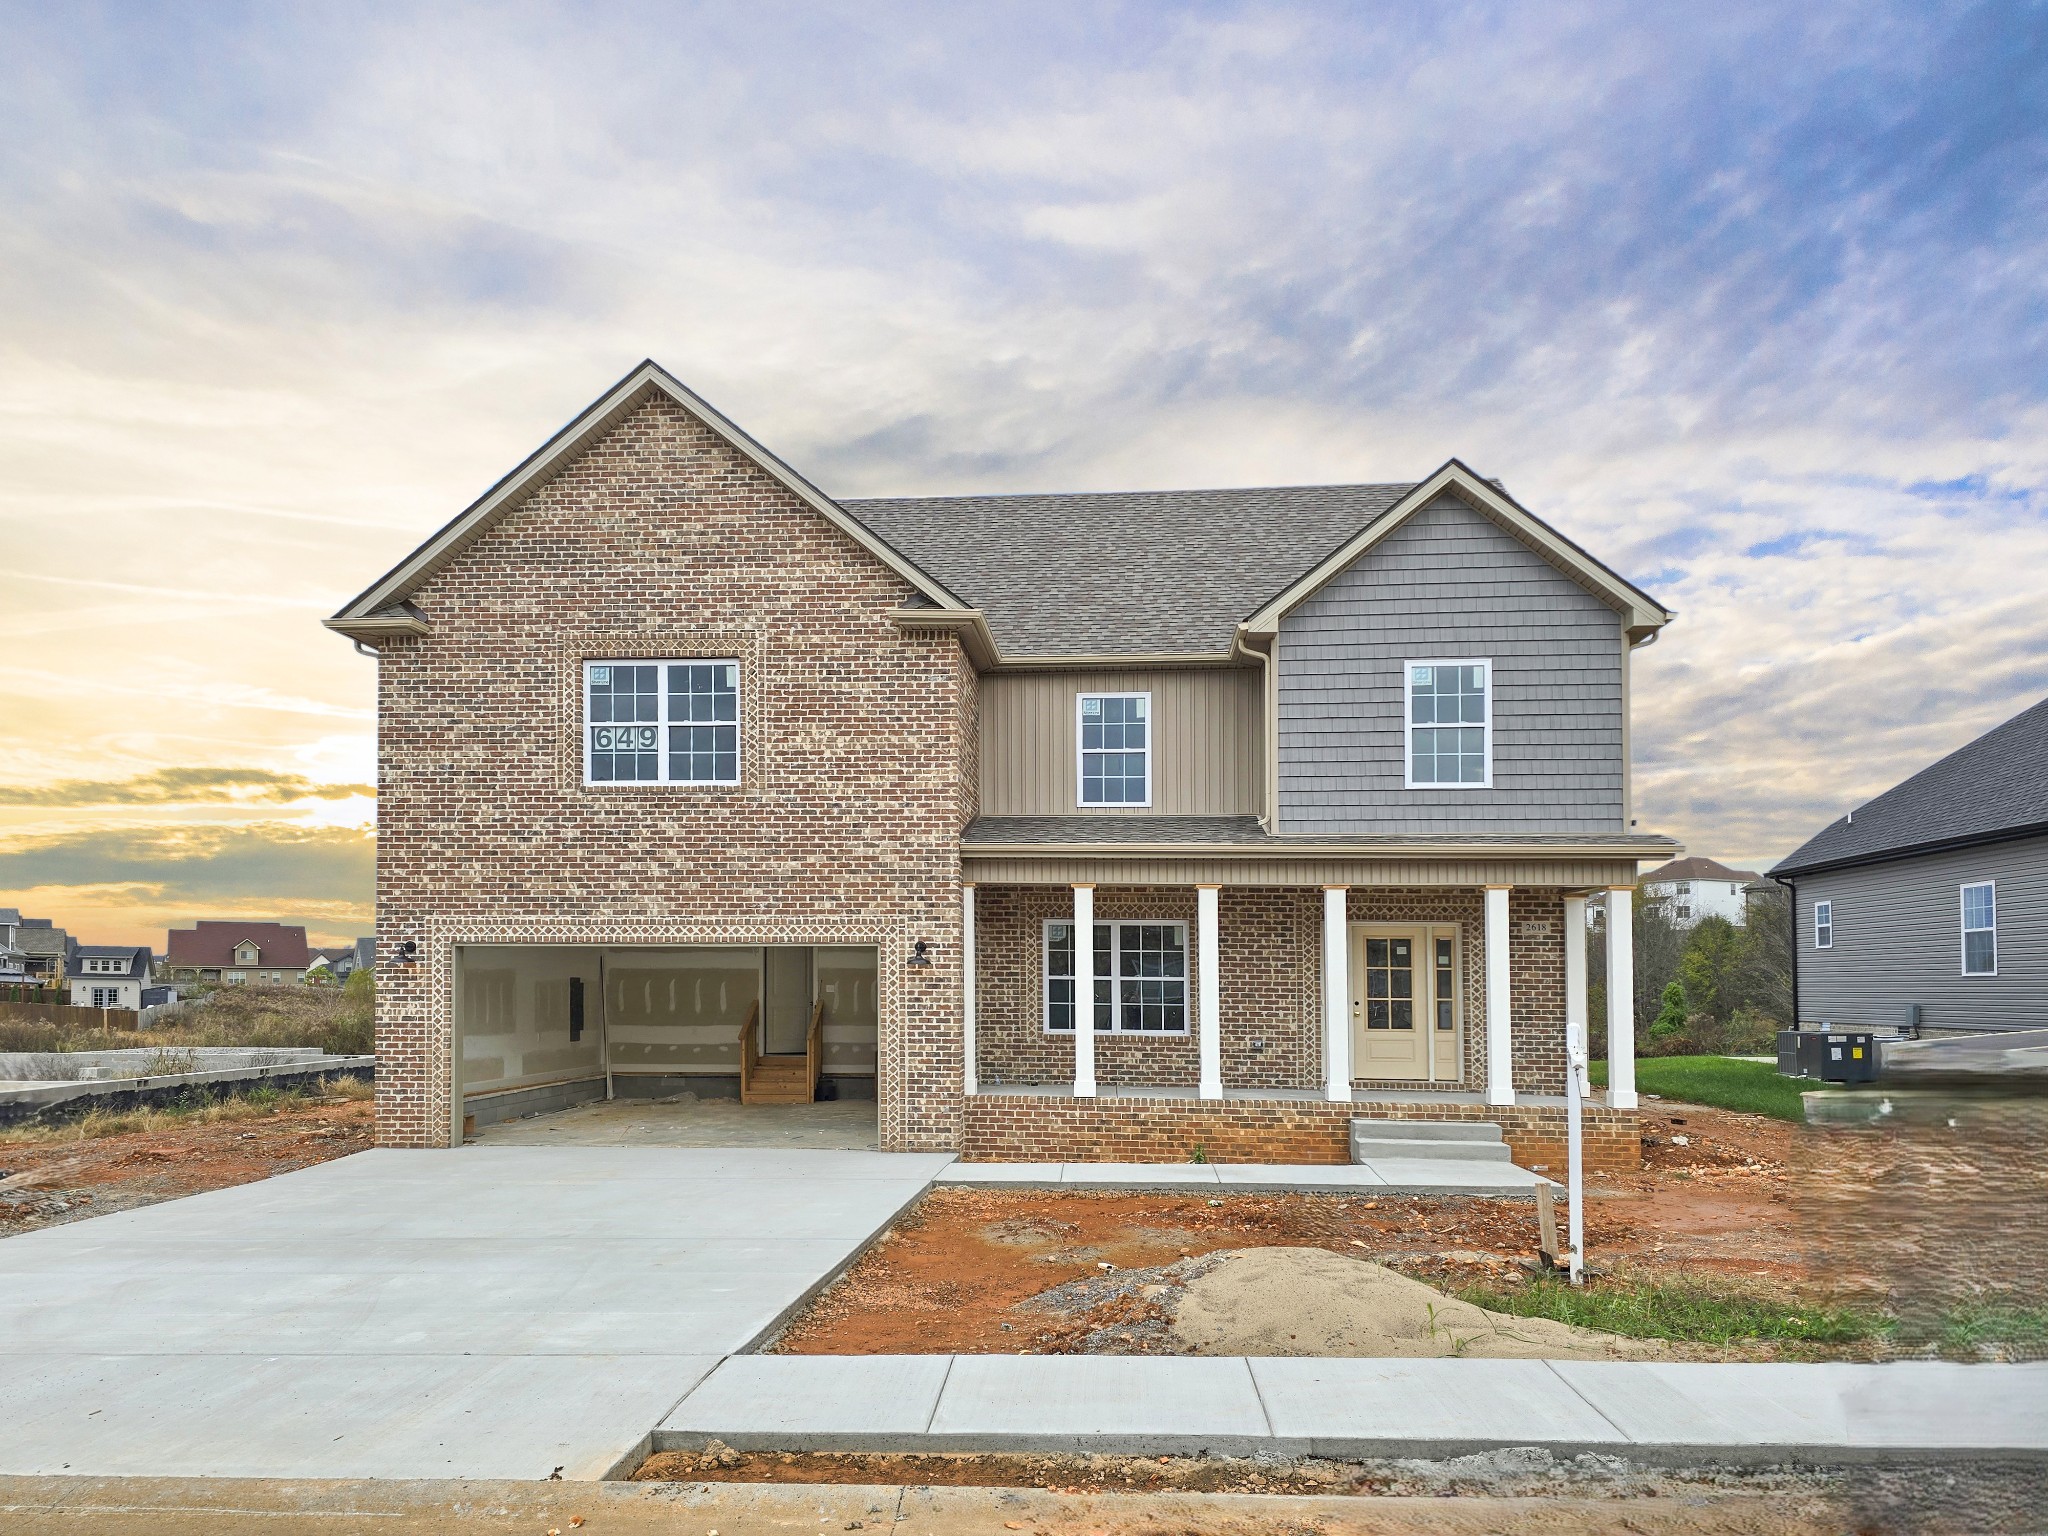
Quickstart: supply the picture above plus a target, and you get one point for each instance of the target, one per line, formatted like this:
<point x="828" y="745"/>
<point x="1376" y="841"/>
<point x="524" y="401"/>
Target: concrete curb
<point x="1658" y="1413"/>
<point x="1406" y="1176"/>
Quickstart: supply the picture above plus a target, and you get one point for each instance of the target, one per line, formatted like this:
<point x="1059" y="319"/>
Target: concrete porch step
<point x="1451" y="1141"/>
<point x="1426" y="1130"/>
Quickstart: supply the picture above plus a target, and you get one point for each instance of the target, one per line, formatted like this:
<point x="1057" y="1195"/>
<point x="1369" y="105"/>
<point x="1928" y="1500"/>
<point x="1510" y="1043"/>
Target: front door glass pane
<point x="1389" y="984"/>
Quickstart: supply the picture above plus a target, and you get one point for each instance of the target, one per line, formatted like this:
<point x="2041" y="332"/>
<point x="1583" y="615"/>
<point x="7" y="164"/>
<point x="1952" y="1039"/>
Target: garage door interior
<point x="542" y="1027"/>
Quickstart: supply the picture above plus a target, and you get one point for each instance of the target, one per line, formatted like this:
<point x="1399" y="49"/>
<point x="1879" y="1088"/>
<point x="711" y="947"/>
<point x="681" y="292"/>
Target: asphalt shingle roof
<point x="135" y="962"/>
<point x="1124" y="572"/>
<point x="1996" y="785"/>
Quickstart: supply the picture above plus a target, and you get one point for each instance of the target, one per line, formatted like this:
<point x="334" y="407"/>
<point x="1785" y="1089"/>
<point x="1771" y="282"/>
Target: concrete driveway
<point x="487" y="1312"/>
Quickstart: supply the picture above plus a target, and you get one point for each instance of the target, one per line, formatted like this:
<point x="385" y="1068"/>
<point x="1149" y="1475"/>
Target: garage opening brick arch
<point x="415" y="1032"/>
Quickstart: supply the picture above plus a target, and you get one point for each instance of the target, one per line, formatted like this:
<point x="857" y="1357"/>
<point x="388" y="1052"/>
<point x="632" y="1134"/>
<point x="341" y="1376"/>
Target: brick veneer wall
<point x="1031" y="1128"/>
<point x="660" y="540"/>
<point x="1267" y="995"/>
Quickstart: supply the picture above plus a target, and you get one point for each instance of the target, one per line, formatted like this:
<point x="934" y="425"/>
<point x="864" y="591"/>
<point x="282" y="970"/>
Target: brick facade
<point x="661" y="540"/>
<point x="859" y="766"/>
<point x="1031" y="1128"/>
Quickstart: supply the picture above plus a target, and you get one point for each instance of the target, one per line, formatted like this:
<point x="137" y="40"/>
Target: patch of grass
<point x="1692" y="1311"/>
<point x="192" y="1109"/>
<point x="1972" y="1329"/>
<point x="1753" y="1087"/>
<point x="339" y="1020"/>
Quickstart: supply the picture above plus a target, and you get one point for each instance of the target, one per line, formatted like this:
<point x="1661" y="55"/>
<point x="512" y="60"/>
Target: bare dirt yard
<point x="60" y="1175"/>
<point x="977" y="1271"/>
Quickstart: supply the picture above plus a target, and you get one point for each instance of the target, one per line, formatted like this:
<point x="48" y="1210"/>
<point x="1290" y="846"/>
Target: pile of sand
<point x="1309" y="1301"/>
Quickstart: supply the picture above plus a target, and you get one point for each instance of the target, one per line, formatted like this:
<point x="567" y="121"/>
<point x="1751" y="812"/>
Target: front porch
<point x="1246" y="1020"/>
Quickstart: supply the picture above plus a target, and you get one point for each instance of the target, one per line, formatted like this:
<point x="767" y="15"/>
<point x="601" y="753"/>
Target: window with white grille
<point x="1141" y="978"/>
<point x="1980" y="929"/>
<point x="1450" y="724"/>
<point x="661" y="722"/>
<point x="1114" y="760"/>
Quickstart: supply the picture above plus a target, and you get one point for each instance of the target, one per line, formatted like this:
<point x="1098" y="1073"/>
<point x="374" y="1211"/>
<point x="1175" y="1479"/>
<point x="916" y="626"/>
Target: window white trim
<point x="663" y="722"/>
<point x="1408" y="725"/>
<point x="1963" y="922"/>
<point x="1081" y="799"/>
<point x="1116" y="1025"/>
<point x="1823" y="925"/>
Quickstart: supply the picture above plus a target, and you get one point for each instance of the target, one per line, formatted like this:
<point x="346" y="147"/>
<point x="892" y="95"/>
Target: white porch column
<point x="1208" y="992"/>
<point x="1500" y="1034"/>
<point x="1575" y="962"/>
<point x="973" y="1079"/>
<point x="1621" y="998"/>
<point x="1336" y="996"/>
<point x="1084" y="991"/>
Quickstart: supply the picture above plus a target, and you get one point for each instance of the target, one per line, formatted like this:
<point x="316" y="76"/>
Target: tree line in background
<point x="1710" y="989"/>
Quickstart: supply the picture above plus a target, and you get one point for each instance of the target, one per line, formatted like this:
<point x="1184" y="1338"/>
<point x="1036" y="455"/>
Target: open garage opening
<point x="679" y="1045"/>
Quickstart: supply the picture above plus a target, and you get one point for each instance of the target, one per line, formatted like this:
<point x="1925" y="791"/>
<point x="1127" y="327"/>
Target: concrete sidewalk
<point x="1386" y="1176"/>
<point x="1673" y="1413"/>
<point x="488" y="1312"/>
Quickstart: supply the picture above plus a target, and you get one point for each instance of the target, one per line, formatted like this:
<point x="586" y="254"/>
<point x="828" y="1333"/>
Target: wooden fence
<point x="29" y="992"/>
<point x="64" y="1013"/>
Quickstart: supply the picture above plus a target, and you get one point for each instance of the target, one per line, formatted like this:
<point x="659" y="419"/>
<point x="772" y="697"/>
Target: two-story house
<point x="238" y="953"/>
<point x="32" y="949"/>
<point x="107" y="975"/>
<point x="1065" y="826"/>
<point x="1696" y="888"/>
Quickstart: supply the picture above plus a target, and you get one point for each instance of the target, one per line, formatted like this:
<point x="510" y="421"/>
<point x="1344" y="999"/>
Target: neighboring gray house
<point x="32" y="949"/>
<point x="1929" y="904"/>
<point x="107" y="975"/>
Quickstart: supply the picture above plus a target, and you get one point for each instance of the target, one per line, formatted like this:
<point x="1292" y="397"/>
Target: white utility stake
<point x="1577" y="1086"/>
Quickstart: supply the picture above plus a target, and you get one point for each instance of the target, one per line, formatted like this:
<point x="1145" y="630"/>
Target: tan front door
<point x="1404" y="1002"/>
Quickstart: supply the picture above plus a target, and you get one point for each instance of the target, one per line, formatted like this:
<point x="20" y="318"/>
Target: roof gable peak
<point x="370" y="616"/>
<point x="1644" y="614"/>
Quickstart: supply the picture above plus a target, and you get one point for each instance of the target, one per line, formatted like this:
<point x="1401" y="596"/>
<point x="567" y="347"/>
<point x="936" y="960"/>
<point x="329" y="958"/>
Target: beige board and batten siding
<point x="1207" y="727"/>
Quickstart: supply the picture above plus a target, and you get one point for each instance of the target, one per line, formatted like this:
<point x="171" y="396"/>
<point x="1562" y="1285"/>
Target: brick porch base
<point x="1027" y="1128"/>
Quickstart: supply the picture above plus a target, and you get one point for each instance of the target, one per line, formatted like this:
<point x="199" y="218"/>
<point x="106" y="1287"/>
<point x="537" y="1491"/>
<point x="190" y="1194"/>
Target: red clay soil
<point x="950" y="1275"/>
<point x="44" y="1183"/>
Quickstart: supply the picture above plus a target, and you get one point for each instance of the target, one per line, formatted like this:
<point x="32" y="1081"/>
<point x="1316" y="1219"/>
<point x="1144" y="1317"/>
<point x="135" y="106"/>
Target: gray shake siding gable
<point x="1898" y="941"/>
<point x="1451" y="584"/>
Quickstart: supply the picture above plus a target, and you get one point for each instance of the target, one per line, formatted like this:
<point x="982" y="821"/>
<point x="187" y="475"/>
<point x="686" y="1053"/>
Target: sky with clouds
<point x="1751" y="300"/>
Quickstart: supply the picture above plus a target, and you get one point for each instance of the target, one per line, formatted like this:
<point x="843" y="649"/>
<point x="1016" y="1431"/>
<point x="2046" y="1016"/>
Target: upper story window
<point x="1980" y="929"/>
<point x="1450" y="724"/>
<point x="1114" y="758"/>
<point x="651" y="722"/>
<point x="1141" y="977"/>
<point x="98" y="966"/>
<point x="1823" y="925"/>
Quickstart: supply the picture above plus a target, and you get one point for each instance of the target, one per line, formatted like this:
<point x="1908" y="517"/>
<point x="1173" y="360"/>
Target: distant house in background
<point x="1929" y="904"/>
<point x="336" y="962"/>
<point x="32" y="949"/>
<point x="366" y="954"/>
<point x="237" y="953"/>
<point x="107" y="975"/>
<point x="1691" y="889"/>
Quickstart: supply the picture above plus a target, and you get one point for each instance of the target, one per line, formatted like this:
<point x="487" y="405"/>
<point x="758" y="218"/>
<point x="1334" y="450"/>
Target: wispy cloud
<point x="188" y="868"/>
<point x="183" y="786"/>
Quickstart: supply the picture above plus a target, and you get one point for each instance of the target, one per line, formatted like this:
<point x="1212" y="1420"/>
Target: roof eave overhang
<point x="1783" y="872"/>
<point x="1642" y="615"/>
<point x="406" y="577"/>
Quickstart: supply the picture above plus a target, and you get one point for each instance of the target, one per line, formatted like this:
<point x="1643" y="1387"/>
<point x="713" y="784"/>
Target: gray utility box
<point x="1828" y="1055"/>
